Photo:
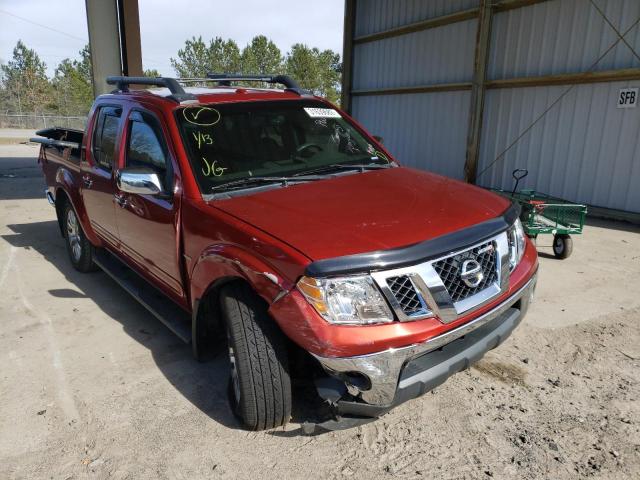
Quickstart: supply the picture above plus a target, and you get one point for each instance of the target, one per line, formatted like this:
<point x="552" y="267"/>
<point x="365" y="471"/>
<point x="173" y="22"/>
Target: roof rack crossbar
<point x="177" y="92"/>
<point x="290" y="84"/>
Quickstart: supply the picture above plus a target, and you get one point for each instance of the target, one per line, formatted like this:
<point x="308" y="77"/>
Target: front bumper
<point x="380" y="381"/>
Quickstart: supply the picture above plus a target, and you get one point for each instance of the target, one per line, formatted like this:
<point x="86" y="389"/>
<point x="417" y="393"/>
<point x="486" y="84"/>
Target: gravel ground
<point x="91" y="386"/>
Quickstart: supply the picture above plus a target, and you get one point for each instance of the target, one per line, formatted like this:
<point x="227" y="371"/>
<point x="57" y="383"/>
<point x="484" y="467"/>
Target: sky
<point x="164" y="26"/>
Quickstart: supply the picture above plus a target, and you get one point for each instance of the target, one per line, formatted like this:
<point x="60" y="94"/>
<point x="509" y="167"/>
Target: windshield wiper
<point x="246" y="182"/>
<point x="347" y="166"/>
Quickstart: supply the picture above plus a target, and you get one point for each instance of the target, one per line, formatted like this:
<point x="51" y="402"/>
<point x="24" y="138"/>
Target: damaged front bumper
<point x="370" y="385"/>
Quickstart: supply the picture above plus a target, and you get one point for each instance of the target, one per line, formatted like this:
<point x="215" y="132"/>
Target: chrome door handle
<point x="120" y="199"/>
<point x="86" y="181"/>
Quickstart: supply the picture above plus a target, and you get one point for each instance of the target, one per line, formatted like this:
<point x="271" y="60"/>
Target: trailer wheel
<point x="259" y="387"/>
<point x="79" y="248"/>
<point x="562" y="246"/>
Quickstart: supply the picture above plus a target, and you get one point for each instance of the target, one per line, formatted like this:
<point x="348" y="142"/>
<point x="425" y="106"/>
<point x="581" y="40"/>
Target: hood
<point x="364" y="212"/>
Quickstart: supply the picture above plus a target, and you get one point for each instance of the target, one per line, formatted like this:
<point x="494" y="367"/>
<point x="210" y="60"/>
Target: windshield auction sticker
<point x="322" y="112"/>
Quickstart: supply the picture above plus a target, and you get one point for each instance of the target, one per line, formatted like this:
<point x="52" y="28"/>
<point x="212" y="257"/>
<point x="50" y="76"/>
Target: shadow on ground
<point x="20" y="178"/>
<point x="203" y="384"/>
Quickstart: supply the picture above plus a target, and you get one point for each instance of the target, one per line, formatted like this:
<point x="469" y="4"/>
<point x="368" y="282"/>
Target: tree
<point x="197" y="59"/>
<point x="330" y="68"/>
<point x="317" y="71"/>
<point x="25" y="87"/>
<point x="72" y="84"/>
<point x="193" y="59"/>
<point x="224" y="56"/>
<point x="261" y="56"/>
<point x="151" y="72"/>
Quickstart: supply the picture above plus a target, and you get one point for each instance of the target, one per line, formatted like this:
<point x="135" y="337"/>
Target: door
<point x="98" y="182"/>
<point x="148" y="224"/>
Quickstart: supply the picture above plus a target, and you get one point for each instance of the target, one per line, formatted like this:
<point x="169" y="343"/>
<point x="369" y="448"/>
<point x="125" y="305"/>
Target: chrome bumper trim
<point x="383" y="368"/>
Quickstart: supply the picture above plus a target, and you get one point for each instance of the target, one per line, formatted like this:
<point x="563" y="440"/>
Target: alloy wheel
<point x="73" y="235"/>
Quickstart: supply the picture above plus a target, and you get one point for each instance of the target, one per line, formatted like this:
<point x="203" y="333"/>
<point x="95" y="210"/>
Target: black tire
<point x="79" y="248"/>
<point x="562" y="246"/>
<point x="260" y="386"/>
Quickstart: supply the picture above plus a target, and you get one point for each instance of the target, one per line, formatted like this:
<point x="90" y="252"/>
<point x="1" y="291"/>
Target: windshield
<point x="229" y="142"/>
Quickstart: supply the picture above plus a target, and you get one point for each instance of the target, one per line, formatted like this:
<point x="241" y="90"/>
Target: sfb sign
<point x="628" y="98"/>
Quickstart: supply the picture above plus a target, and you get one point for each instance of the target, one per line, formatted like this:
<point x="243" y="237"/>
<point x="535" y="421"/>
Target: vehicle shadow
<point x="20" y="178"/>
<point x="203" y="384"/>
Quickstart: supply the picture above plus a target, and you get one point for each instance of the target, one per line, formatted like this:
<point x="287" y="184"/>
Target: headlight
<point x="517" y="244"/>
<point x="347" y="300"/>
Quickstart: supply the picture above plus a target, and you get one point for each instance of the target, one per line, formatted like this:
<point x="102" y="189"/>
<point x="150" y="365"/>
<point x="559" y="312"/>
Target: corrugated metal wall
<point x="423" y="130"/>
<point x="377" y="15"/>
<point x="408" y="60"/>
<point x="585" y="149"/>
<point x="562" y="36"/>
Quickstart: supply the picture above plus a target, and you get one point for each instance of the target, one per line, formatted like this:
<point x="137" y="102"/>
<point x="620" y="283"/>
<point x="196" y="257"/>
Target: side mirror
<point x="139" y="180"/>
<point x="378" y="138"/>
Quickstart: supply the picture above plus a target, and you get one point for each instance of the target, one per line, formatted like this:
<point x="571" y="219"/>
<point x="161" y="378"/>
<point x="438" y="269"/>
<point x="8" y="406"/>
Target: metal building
<point x="476" y="88"/>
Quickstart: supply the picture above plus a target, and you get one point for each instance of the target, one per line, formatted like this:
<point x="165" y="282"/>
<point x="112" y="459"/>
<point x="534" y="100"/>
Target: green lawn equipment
<point x="544" y="214"/>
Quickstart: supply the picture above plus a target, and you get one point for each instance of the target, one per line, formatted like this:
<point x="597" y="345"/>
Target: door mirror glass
<point x="140" y="181"/>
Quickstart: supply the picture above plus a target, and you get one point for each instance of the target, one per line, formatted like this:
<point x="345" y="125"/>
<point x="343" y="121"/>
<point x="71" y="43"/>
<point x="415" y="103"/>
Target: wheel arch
<point x="206" y="322"/>
<point x="60" y="201"/>
<point x="67" y="188"/>
<point x="217" y="267"/>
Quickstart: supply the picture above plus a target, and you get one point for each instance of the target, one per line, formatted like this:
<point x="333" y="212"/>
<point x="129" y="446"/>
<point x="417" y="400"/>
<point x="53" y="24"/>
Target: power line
<point x="147" y="60"/>
<point x="44" y="26"/>
<point x="557" y="100"/>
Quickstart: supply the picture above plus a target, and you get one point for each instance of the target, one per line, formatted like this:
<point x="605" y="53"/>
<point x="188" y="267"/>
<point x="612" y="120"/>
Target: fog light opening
<point x="356" y="381"/>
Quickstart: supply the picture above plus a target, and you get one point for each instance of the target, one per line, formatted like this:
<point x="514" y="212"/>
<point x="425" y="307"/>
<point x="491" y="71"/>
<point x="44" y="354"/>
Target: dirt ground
<point x="92" y="386"/>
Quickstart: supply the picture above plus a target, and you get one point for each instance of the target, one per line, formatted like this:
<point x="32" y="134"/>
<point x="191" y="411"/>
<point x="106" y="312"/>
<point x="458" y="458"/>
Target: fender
<point x="222" y="263"/>
<point x="65" y="182"/>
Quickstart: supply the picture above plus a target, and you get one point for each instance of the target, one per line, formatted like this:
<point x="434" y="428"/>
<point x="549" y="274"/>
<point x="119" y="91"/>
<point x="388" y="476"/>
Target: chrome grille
<point x="449" y="270"/>
<point x="406" y="295"/>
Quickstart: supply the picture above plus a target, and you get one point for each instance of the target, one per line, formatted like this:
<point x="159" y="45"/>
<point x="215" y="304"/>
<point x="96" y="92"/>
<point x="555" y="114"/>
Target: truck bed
<point x="65" y="151"/>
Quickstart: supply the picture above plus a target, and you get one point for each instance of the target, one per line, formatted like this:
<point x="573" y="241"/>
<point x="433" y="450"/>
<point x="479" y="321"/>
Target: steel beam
<point x="347" y="54"/>
<point x="442" y="20"/>
<point x="483" y="40"/>
<point x="518" y="82"/>
<point x="114" y="40"/>
<point x="437" y="87"/>
<point x="419" y="26"/>
<point x="129" y="20"/>
<point x="567" y="79"/>
<point x="102" y="22"/>
<point x="506" y="5"/>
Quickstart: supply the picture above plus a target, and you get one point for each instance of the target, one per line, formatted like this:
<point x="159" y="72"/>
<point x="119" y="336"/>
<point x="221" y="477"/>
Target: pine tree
<point x="25" y="86"/>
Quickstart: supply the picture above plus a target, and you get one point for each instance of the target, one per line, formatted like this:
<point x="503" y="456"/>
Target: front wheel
<point x="562" y="246"/>
<point x="79" y="248"/>
<point x="260" y="386"/>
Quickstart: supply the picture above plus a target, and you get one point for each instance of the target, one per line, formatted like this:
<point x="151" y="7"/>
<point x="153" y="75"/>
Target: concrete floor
<point x="92" y="386"/>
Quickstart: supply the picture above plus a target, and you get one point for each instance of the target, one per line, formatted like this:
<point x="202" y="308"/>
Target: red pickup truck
<point x="271" y="220"/>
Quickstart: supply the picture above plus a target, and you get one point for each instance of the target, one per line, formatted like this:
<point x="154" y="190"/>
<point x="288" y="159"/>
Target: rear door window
<point x="105" y="137"/>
